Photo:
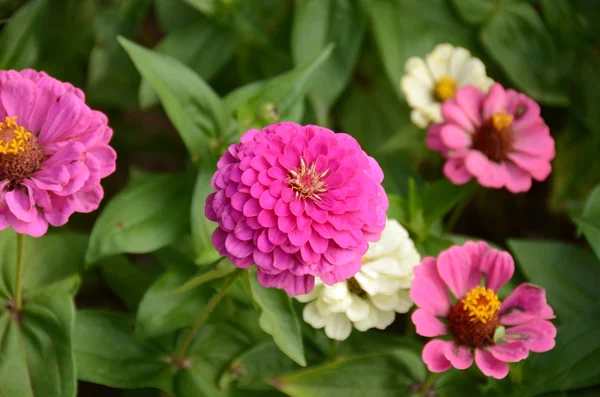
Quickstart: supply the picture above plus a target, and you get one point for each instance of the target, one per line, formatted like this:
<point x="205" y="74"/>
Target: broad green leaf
<point x="439" y="198"/>
<point x="318" y="23"/>
<point x="432" y="245"/>
<point x="107" y="353"/>
<point x="208" y="7"/>
<point x="373" y="375"/>
<point x="173" y="15"/>
<point x="36" y="351"/>
<point x="19" y="41"/>
<point x="202" y="228"/>
<point x="589" y="221"/>
<point x="567" y="273"/>
<point x="474" y="11"/>
<point x="279" y="97"/>
<point x="142" y="218"/>
<point x="572" y="364"/>
<point x="518" y="41"/>
<point x="203" y="45"/>
<point x="403" y="29"/>
<point x="279" y="319"/>
<point x="256" y="367"/>
<point x="127" y="280"/>
<point x="161" y="311"/>
<point x="192" y="106"/>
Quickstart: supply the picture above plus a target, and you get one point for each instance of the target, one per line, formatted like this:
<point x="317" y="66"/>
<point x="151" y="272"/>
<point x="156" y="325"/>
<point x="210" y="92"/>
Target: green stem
<point x="335" y="350"/>
<point x="210" y="306"/>
<point x="431" y="377"/>
<point x="19" y="279"/>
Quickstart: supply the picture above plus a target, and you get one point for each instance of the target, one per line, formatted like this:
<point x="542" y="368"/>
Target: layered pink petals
<point x="530" y="147"/>
<point x="458" y="270"/>
<point x="291" y="238"/>
<point x="74" y="140"/>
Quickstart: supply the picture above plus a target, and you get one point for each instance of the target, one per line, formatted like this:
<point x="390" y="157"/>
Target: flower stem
<point x="210" y="306"/>
<point x="429" y="381"/>
<point x="19" y="279"/>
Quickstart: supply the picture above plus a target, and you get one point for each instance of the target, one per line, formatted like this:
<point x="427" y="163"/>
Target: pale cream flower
<point x="374" y="295"/>
<point x="428" y="82"/>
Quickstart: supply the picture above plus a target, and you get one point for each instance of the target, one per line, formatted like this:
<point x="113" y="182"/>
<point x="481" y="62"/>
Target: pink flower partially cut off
<point x="299" y="202"/>
<point x="479" y="326"/>
<point x="498" y="138"/>
<point x="53" y="152"/>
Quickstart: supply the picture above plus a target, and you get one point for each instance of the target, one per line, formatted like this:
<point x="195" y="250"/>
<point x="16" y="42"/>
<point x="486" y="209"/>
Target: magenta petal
<point x="526" y="302"/>
<point x="293" y="285"/>
<point x="489" y="365"/>
<point x="470" y="100"/>
<point x="537" y="335"/>
<point x="18" y="98"/>
<point x="427" y="324"/>
<point x="498" y="267"/>
<point x="452" y="113"/>
<point x="456" y="172"/>
<point x="21" y="204"/>
<point x="495" y="101"/>
<point x="237" y="247"/>
<point x="454" y="137"/>
<point x="509" y="352"/>
<point x="434" y="356"/>
<point x="318" y="243"/>
<point x="428" y="290"/>
<point x="37" y="228"/>
<point x="454" y="267"/>
<point x="459" y="356"/>
<point x="299" y="237"/>
<point x="62" y="115"/>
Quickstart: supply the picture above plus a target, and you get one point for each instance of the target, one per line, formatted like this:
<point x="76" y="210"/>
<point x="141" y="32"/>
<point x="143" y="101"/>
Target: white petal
<point x="416" y="67"/>
<point x="336" y="291"/>
<point x="419" y="118"/>
<point x="384" y="318"/>
<point x="385" y="301"/>
<point x="369" y="322"/>
<point x="311" y="315"/>
<point x="404" y="302"/>
<point x="386" y="266"/>
<point x="338" y="327"/>
<point x="391" y="239"/>
<point x="358" y="310"/>
<point x="417" y="94"/>
<point x="373" y="286"/>
<point x="335" y="298"/>
<point x="459" y="58"/>
<point x="439" y="59"/>
<point x="433" y="111"/>
<point x="311" y="296"/>
<point x="472" y="72"/>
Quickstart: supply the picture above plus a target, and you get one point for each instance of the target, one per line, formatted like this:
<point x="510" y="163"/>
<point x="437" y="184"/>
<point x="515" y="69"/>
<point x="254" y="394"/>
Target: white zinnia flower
<point x="372" y="297"/>
<point x="428" y="82"/>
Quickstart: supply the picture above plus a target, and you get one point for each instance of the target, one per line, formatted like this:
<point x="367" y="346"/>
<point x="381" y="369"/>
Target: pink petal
<point x="454" y="137"/>
<point x="509" y="352"/>
<point x="498" y="266"/>
<point x="453" y="113"/>
<point x="459" y="356"/>
<point x="60" y="210"/>
<point x="19" y="98"/>
<point x="454" y="267"/>
<point x="489" y="365"/>
<point x="537" y="335"/>
<point x="62" y="115"/>
<point x="517" y="180"/>
<point x="427" y="324"/>
<point x="293" y="285"/>
<point x="456" y="172"/>
<point x="526" y="302"/>
<point x="88" y="201"/>
<point x="494" y="177"/>
<point x="470" y="100"/>
<point x="37" y="228"/>
<point x="428" y="290"/>
<point x="21" y="204"/>
<point x="434" y="139"/>
<point x="107" y="158"/>
<point x="237" y="247"/>
<point x="495" y="101"/>
<point x="434" y="356"/>
<point x="477" y="163"/>
<point x="49" y="89"/>
<point x="538" y="167"/>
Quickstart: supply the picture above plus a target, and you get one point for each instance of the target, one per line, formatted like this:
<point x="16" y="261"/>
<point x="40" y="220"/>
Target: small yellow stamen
<point x="20" y="135"/>
<point x="444" y="89"/>
<point x="481" y="303"/>
<point x="502" y="120"/>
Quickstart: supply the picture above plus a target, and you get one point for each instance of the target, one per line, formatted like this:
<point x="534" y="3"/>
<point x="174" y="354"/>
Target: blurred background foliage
<point x="220" y="67"/>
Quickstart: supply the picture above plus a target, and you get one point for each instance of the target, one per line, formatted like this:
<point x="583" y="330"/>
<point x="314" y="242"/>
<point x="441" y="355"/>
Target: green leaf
<point x="278" y="99"/>
<point x="19" y="41"/>
<point x="403" y="29"/>
<point x="192" y="106"/>
<point x="221" y="269"/>
<point x="279" y="319"/>
<point x="474" y="11"/>
<point x="373" y="375"/>
<point x="107" y="353"/>
<point x="141" y="218"/>
<point x="161" y="311"/>
<point x="173" y="15"/>
<point x="318" y="23"/>
<point x="36" y="351"/>
<point x="433" y="245"/>
<point x="439" y="198"/>
<point x="572" y="364"/>
<point x="567" y="273"/>
<point x="202" y="227"/>
<point x="518" y="41"/>
<point x="203" y="45"/>
<point x="127" y="280"/>
<point x="257" y="366"/>
<point x="589" y="221"/>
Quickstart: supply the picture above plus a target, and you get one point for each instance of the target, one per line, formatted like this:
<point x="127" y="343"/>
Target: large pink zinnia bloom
<point x="499" y="138"/>
<point x="496" y="332"/>
<point x="299" y="202"/>
<point x="53" y="152"/>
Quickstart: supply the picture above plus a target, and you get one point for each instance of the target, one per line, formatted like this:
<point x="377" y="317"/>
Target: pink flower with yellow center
<point x="499" y="138"/>
<point x="53" y="152"/>
<point x="299" y="202"/>
<point x="472" y="317"/>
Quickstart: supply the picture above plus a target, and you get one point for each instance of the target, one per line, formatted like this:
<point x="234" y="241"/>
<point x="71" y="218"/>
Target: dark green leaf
<point x="589" y="221"/>
<point x="568" y="273"/>
<point x="439" y="198"/>
<point x="19" y="41"/>
<point x="279" y="319"/>
<point x="433" y="245"/>
<point x="202" y="228"/>
<point x="474" y="11"/>
<point x="142" y="218"/>
<point x="106" y="352"/>
<point x="222" y="268"/>
<point x="173" y="15"/>
<point x="127" y="280"/>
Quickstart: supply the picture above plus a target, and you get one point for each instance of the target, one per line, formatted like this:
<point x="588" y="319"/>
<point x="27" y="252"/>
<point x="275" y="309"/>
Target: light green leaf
<point x="518" y="41"/>
<point x="567" y="273"/>
<point x="19" y="41"/>
<point x="221" y="269"/>
<point x="589" y="221"/>
<point x="202" y="228"/>
<point x="316" y="24"/>
<point x="107" y="353"/>
<point x="192" y="106"/>
<point x="279" y="319"/>
<point x="474" y="11"/>
<point x="141" y="218"/>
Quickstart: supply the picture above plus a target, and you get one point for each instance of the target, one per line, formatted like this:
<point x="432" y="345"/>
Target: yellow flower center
<point x="502" y="120"/>
<point x="444" y="89"/>
<point x="20" y="152"/>
<point x="481" y="304"/>
<point x="13" y="137"/>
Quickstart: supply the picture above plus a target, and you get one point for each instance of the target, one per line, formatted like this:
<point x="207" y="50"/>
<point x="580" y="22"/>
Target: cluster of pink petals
<point x="531" y="150"/>
<point x="74" y="139"/>
<point x="524" y="312"/>
<point x="292" y="239"/>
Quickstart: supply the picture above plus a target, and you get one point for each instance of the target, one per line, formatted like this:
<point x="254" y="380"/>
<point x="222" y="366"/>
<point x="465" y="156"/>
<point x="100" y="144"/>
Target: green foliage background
<point x="109" y="298"/>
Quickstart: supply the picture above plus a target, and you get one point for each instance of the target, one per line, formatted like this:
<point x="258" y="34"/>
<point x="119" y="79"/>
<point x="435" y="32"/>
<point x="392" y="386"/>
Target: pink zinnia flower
<point x="476" y="321"/>
<point x="53" y="152"/>
<point x="299" y="202"/>
<point x="499" y="138"/>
